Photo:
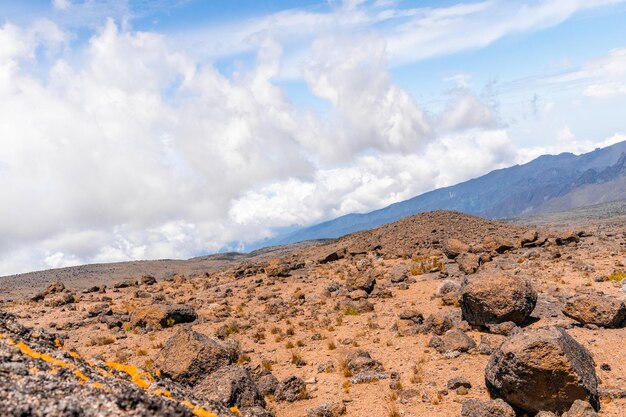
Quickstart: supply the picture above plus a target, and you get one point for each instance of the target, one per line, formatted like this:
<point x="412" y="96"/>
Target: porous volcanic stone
<point x="189" y="356"/>
<point x="600" y="310"/>
<point x="542" y="369"/>
<point x="496" y="299"/>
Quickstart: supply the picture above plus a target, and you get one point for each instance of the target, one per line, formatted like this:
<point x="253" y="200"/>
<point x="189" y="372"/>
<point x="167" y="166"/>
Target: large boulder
<point x="163" y="315"/>
<point x="189" y="356"/>
<point x="55" y="287"/>
<point x="600" y="310"/>
<point x="479" y="408"/>
<point x="542" y="369"/>
<point x="230" y="386"/>
<point x="496" y="299"/>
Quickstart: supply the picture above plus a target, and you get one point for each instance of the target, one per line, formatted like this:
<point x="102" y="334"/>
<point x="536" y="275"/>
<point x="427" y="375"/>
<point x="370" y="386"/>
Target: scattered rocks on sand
<point x="497" y="298"/>
<point x="600" y="310"/>
<point x="542" y="369"/>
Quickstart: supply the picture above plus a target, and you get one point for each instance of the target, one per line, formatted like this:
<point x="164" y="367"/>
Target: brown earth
<point x="305" y="310"/>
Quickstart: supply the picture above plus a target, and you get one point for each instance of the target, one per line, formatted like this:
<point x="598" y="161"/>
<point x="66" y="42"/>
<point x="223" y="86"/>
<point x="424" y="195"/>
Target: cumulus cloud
<point x="136" y="150"/>
<point x="350" y="72"/>
<point x="465" y="110"/>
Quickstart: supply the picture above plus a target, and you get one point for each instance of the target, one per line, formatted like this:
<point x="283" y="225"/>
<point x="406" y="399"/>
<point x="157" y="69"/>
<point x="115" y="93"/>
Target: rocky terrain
<point x="437" y="314"/>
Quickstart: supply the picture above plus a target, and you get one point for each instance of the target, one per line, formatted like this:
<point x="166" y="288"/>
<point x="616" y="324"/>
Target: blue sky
<point x="151" y="129"/>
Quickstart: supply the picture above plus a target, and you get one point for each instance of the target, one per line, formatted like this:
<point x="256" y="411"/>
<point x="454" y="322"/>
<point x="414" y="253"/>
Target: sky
<point x="137" y="129"/>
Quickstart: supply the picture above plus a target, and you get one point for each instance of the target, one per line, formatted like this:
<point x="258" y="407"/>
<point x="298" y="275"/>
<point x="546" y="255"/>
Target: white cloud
<point x="374" y="182"/>
<point x="351" y="73"/>
<point x="136" y="150"/>
<point x="410" y="33"/>
<point x="465" y="110"/>
<point x="567" y="142"/>
<point x="62" y="4"/>
<point x="605" y="90"/>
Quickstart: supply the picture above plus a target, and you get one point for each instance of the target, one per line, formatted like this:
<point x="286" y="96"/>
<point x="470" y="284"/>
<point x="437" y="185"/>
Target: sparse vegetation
<point x="351" y="311"/>
<point x="617" y="276"/>
<point x="423" y="264"/>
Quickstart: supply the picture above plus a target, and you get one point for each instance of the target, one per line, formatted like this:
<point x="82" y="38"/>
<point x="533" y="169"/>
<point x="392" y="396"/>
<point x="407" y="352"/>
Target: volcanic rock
<point x="542" y="369"/>
<point x="600" y="310"/>
<point x="163" y="315"/>
<point x="478" y="408"/>
<point x="231" y="385"/>
<point x="497" y="299"/>
<point x="189" y="356"/>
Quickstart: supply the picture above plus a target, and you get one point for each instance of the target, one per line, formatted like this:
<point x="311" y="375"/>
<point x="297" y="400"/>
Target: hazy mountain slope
<point x="571" y="180"/>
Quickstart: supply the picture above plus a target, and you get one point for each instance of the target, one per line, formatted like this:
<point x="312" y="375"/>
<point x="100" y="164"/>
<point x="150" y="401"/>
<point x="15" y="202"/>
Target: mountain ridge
<point x="547" y="183"/>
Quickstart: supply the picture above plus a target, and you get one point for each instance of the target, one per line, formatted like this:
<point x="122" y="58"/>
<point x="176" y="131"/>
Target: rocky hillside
<point x="439" y="314"/>
<point x="548" y="183"/>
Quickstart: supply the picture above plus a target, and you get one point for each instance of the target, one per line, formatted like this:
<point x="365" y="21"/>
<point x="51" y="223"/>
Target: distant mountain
<point x="548" y="183"/>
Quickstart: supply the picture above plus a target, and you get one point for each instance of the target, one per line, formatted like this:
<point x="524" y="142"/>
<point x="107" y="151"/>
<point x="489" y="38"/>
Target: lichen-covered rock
<point x="479" y="408"/>
<point x="496" y="299"/>
<point x="189" y="356"/>
<point x="542" y="369"/>
<point x="601" y="310"/>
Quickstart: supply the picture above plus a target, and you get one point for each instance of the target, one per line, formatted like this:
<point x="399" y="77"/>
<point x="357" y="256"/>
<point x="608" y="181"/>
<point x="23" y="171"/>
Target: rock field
<point x="438" y="314"/>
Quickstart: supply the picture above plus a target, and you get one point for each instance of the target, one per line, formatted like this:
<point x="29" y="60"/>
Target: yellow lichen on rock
<point x="139" y="378"/>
